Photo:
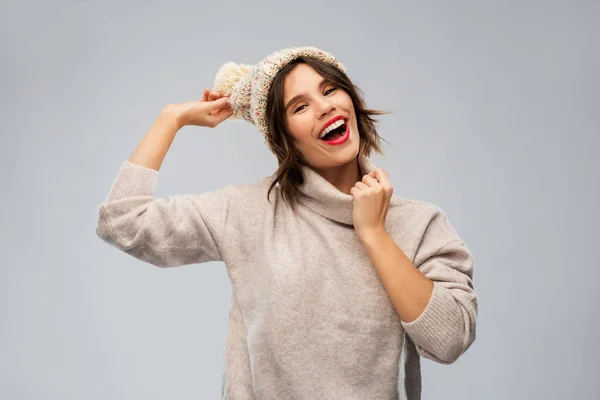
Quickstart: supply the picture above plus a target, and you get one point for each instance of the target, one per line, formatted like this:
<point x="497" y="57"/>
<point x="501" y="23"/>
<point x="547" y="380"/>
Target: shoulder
<point x="420" y="217"/>
<point x="250" y="190"/>
<point x="412" y="208"/>
<point x="251" y="197"/>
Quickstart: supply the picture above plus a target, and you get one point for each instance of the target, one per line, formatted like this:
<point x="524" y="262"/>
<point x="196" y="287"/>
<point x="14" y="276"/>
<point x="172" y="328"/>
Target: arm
<point x="153" y="148"/>
<point x="178" y="230"/>
<point x="434" y="297"/>
<point x="408" y="289"/>
<point x="173" y="231"/>
<point x="209" y="112"/>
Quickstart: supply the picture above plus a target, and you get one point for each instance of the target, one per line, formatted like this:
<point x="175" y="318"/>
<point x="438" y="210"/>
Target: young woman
<point x="338" y="285"/>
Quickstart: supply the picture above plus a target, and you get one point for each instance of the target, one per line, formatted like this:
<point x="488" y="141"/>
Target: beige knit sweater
<point x="309" y="317"/>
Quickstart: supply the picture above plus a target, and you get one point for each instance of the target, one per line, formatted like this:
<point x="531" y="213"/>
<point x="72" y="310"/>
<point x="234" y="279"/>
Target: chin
<point x="347" y="156"/>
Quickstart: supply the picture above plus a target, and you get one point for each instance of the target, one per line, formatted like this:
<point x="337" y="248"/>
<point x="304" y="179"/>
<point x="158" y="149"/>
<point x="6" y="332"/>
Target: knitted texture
<point x="248" y="85"/>
<point x="309" y="316"/>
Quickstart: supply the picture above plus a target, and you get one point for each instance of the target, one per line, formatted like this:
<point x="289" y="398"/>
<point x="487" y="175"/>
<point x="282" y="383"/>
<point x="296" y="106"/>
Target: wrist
<point x="171" y="115"/>
<point x="372" y="235"/>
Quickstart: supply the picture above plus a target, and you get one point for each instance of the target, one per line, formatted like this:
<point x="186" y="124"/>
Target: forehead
<point x="302" y="77"/>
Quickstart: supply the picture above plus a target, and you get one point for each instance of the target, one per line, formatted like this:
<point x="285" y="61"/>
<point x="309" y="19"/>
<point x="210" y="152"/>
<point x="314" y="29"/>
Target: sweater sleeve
<point x="446" y="328"/>
<point x="166" y="232"/>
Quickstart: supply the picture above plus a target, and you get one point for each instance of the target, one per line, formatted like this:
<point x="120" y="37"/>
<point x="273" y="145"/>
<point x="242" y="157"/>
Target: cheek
<point x="300" y="127"/>
<point x="293" y="128"/>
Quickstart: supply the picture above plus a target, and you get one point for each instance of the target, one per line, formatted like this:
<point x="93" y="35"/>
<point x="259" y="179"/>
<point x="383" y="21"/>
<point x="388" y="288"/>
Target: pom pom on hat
<point x="228" y="75"/>
<point x="247" y="86"/>
<point x="226" y="78"/>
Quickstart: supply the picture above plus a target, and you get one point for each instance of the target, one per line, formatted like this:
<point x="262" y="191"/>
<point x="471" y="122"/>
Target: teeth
<point x="331" y="127"/>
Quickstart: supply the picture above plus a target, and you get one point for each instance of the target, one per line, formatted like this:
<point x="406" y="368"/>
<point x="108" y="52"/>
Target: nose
<point x="325" y="107"/>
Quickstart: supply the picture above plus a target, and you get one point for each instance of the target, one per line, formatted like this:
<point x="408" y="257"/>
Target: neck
<point x="343" y="177"/>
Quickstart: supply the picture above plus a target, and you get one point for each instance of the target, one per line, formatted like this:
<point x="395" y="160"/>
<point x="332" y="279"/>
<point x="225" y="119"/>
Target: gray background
<point x="496" y="112"/>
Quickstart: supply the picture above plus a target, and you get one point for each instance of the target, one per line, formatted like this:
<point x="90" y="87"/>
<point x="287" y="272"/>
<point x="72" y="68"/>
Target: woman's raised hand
<point x="210" y="111"/>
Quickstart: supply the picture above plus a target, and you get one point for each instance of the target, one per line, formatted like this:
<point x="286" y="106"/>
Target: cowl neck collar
<point x="324" y="198"/>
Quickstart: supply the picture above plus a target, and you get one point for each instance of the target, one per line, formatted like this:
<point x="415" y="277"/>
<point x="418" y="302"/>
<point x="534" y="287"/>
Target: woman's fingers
<point x="220" y="109"/>
<point x="206" y="95"/>
<point x="216" y="117"/>
<point x="219" y="104"/>
<point x="223" y="114"/>
<point x="209" y="95"/>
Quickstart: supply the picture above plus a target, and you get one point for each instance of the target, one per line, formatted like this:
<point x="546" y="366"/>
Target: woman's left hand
<point x="370" y="204"/>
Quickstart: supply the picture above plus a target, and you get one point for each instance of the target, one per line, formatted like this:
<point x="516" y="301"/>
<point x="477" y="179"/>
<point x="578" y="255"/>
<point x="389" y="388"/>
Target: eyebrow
<point x="323" y="82"/>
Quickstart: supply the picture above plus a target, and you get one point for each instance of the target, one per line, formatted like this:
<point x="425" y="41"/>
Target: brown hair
<point x="289" y="174"/>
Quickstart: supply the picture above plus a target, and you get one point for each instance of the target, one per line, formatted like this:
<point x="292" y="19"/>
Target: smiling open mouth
<point x="336" y="131"/>
<point x="337" y="135"/>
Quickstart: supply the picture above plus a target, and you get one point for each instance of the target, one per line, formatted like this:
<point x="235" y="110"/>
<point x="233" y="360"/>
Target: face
<point x="311" y="105"/>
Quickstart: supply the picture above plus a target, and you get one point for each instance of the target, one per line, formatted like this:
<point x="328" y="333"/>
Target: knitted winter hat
<point x="248" y="85"/>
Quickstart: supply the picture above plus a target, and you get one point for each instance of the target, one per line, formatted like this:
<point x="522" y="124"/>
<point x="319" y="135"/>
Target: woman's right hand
<point x="210" y="111"/>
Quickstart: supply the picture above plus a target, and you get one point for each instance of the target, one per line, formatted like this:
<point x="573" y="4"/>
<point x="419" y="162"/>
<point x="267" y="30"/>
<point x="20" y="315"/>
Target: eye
<point x="327" y="92"/>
